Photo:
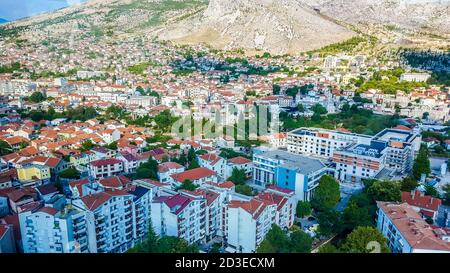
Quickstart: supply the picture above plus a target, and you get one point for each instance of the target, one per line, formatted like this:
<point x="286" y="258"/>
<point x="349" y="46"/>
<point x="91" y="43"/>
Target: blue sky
<point x="16" y="9"/>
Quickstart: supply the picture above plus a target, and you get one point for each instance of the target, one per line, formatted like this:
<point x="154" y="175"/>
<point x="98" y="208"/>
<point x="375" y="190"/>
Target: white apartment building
<point x="198" y="176"/>
<point x="180" y="215"/>
<point x="105" y="168"/>
<point x="213" y="162"/>
<point x="321" y="142"/>
<point x="286" y="205"/>
<point x="166" y="169"/>
<point x="49" y="230"/>
<point x="247" y="224"/>
<point x="111" y="220"/>
<point x="359" y="162"/>
<point x="240" y="163"/>
<point x="143" y="101"/>
<point x="407" y="232"/>
<point x="402" y="146"/>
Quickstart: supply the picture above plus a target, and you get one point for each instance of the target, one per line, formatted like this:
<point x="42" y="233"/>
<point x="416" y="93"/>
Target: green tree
<point x="193" y="164"/>
<point x="171" y="244"/>
<point x="303" y="209"/>
<point x="69" y="173"/>
<point x="421" y="163"/>
<point x="319" y="109"/>
<point x="238" y="176"/>
<point x="276" y="89"/>
<point x="140" y="90"/>
<point x="328" y="248"/>
<point x="363" y="239"/>
<point x="330" y="221"/>
<point x="191" y="154"/>
<point x="37" y="97"/>
<point x="188" y="185"/>
<point x="276" y="241"/>
<point x="431" y="191"/>
<point x="300" y="108"/>
<point x="244" y="189"/>
<point x="388" y="191"/>
<point x="354" y="216"/>
<point x="5" y="148"/>
<point x="300" y="242"/>
<point x="215" y="248"/>
<point x="87" y="145"/>
<point x="148" y="169"/>
<point x="112" y="146"/>
<point x="409" y="184"/>
<point x="446" y="195"/>
<point x="149" y="244"/>
<point x="164" y="120"/>
<point x="327" y="194"/>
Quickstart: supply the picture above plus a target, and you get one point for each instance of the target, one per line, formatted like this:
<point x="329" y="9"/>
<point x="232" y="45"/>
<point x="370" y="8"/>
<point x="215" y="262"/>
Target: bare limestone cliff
<point x="275" y="26"/>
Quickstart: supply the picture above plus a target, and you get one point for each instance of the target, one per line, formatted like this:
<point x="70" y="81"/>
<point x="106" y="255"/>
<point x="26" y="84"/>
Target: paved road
<point x="347" y="190"/>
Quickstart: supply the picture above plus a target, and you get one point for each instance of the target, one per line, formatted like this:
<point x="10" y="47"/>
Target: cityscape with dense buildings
<point x="185" y="126"/>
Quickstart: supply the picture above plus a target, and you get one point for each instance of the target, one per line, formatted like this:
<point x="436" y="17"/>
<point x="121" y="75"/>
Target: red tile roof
<point x="212" y="158"/>
<point x="51" y="162"/>
<point x="176" y="203"/>
<point x="418" y="199"/>
<point x="239" y="160"/>
<point x="193" y="174"/>
<point x="254" y="207"/>
<point x="115" y="181"/>
<point x="49" y="210"/>
<point x="166" y="166"/>
<point x="107" y="161"/>
<point x="413" y="228"/>
<point x="226" y="185"/>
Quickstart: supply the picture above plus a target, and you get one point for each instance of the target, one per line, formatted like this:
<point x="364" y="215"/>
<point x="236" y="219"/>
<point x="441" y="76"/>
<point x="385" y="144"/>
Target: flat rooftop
<point x="395" y="135"/>
<point x="300" y="163"/>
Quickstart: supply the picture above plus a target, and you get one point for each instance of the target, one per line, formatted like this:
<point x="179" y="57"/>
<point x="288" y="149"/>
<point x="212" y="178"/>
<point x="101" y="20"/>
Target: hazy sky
<point x="16" y="9"/>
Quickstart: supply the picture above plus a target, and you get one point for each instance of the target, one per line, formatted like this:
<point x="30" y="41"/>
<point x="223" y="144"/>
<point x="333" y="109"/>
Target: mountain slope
<point x="276" y="26"/>
<point x="411" y="14"/>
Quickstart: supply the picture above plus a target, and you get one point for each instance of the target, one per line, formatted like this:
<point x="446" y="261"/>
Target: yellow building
<point x="33" y="172"/>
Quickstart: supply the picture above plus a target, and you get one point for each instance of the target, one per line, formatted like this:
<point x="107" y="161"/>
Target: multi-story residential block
<point x="240" y="163"/>
<point x="198" y="176"/>
<point x="103" y="153"/>
<point x="55" y="165"/>
<point x="168" y="168"/>
<point x="401" y="148"/>
<point x="358" y="156"/>
<point x="180" y="215"/>
<point x="286" y="204"/>
<point x="359" y="161"/>
<point x="82" y="159"/>
<point x="406" y="231"/>
<point x="33" y="174"/>
<point x="105" y="167"/>
<point x="130" y="162"/>
<point x="321" y="142"/>
<point x="212" y="212"/>
<point x="51" y="230"/>
<point x="247" y="224"/>
<point x="111" y="219"/>
<point x="289" y="171"/>
<point x="213" y="162"/>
